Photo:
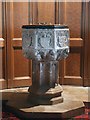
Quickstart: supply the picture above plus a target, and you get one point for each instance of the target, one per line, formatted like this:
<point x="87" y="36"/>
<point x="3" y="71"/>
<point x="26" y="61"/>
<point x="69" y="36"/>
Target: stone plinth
<point x="19" y="103"/>
<point x="25" y="109"/>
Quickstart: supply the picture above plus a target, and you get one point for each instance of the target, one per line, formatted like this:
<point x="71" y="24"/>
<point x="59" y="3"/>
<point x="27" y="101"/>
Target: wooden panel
<point x="70" y="13"/>
<point x="20" y="17"/>
<point x="46" y="12"/>
<point x="72" y="67"/>
<point x="22" y="64"/>
<point x="19" y="67"/>
<point x="22" y="72"/>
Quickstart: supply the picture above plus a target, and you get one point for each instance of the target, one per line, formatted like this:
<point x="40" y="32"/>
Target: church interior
<point x="45" y="60"/>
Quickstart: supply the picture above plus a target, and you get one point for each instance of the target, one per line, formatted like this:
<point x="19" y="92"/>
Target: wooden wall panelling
<point x="70" y="14"/>
<point x="44" y="12"/>
<point x="3" y="77"/>
<point x="19" y="68"/>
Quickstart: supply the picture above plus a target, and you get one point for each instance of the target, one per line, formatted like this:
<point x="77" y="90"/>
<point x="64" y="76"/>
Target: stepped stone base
<point x="22" y="107"/>
<point x="50" y="97"/>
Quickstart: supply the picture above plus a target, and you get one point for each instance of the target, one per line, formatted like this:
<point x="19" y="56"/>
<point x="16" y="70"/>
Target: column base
<point x="50" y="97"/>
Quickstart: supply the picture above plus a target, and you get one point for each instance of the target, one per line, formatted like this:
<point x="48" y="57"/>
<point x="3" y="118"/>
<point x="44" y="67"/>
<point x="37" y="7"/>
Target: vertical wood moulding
<point x="30" y="12"/>
<point x="85" y="35"/>
<point x="81" y="63"/>
<point x="3" y="81"/>
<point x="5" y="42"/>
<point x="89" y="47"/>
<point x="56" y="12"/>
<point x="10" y="57"/>
<point x="35" y="12"/>
<point x="88" y="43"/>
<point x="62" y="12"/>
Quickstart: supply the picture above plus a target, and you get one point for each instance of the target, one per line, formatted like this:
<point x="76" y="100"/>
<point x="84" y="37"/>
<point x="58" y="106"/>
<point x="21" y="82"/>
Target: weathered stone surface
<point x="51" y="96"/>
<point x="50" y="43"/>
<point x="25" y="109"/>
